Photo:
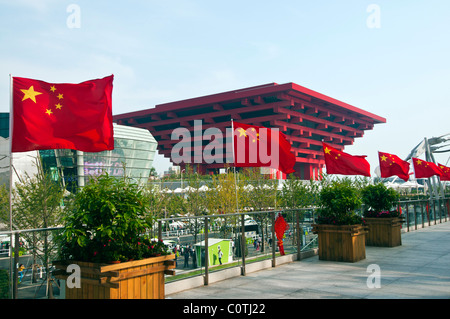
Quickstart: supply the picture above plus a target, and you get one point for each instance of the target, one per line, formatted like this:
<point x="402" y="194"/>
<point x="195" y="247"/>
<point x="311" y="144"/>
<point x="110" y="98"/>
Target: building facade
<point x="133" y="154"/>
<point x="306" y="117"/>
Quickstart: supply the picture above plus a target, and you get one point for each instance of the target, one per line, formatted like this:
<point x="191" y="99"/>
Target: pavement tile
<point x="419" y="269"/>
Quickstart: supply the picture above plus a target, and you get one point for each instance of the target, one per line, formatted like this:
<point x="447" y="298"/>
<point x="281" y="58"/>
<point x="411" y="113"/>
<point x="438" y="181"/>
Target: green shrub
<point x="379" y="201"/>
<point x="338" y="201"/>
<point x="108" y="222"/>
<point x="4" y="284"/>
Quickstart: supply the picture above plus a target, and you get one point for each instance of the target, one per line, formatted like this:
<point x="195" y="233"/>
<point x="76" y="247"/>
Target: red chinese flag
<point x="338" y="162"/>
<point x="424" y="169"/>
<point x="257" y="146"/>
<point x="62" y="116"/>
<point x="445" y="172"/>
<point x="392" y="165"/>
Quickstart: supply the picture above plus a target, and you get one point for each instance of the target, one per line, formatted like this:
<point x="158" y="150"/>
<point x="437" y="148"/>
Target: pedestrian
<point x="186" y="257"/>
<point x="194" y="258"/>
<point x="220" y="253"/>
<point x="175" y="251"/>
<point x="21" y="268"/>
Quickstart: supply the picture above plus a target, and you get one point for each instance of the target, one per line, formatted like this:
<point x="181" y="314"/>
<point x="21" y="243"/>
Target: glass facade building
<point x="4" y="125"/>
<point x="133" y="154"/>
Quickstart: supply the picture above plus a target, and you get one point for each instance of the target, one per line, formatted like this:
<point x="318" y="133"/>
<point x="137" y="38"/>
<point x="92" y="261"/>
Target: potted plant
<point x="105" y="234"/>
<point x="382" y="216"/>
<point x="341" y="232"/>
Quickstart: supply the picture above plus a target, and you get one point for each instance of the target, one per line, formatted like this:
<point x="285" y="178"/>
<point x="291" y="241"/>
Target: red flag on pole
<point x="258" y="146"/>
<point x="62" y="116"/>
<point x="338" y="162"/>
<point x="391" y="165"/>
<point x="424" y="169"/>
<point x="445" y="172"/>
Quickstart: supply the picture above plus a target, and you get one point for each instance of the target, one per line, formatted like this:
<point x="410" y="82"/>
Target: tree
<point x="38" y="203"/>
<point x="221" y="199"/>
<point x="195" y="199"/>
<point x="223" y="193"/>
<point x="260" y="195"/>
<point x="259" y="192"/>
<point x="297" y="193"/>
<point x="4" y="204"/>
<point x="153" y="173"/>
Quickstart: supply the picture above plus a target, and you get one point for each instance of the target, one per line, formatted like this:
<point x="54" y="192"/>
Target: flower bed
<point x="382" y="214"/>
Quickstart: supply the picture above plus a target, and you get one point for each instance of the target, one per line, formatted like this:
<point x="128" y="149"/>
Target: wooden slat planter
<point x="384" y="232"/>
<point x="140" y="279"/>
<point x="341" y="243"/>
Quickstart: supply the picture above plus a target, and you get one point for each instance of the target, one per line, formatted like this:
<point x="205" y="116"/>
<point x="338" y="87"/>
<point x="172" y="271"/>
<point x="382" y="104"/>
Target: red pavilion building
<point x="306" y="117"/>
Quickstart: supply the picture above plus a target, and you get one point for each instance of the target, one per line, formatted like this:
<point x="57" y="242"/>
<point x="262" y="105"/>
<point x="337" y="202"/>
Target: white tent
<point x="410" y="184"/>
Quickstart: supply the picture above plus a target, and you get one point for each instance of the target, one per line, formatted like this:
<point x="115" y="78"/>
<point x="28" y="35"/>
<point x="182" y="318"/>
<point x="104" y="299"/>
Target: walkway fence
<point x="243" y="238"/>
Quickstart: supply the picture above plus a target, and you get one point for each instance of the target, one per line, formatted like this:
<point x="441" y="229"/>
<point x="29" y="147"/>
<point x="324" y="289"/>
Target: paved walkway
<point x="419" y="269"/>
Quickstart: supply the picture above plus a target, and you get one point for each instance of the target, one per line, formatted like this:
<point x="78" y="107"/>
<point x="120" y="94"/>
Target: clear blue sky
<point x="164" y="51"/>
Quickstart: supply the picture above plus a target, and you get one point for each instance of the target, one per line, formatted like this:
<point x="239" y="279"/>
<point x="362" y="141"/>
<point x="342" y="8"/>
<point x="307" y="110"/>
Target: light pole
<point x="181" y="174"/>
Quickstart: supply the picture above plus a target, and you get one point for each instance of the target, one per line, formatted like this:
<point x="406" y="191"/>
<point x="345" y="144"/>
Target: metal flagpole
<point x="11" y="114"/>
<point x="435" y="178"/>
<point x="234" y="166"/>
<point x="431" y="180"/>
<point x="242" y="240"/>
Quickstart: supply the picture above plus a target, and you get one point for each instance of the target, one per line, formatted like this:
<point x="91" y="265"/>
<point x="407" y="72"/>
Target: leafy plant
<point x="4" y="284"/>
<point x="379" y="201"/>
<point x="297" y="193"/>
<point x="338" y="200"/>
<point x="107" y="222"/>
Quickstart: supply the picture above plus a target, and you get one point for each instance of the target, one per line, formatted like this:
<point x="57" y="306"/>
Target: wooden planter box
<point x="341" y="243"/>
<point x="384" y="232"/>
<point x="140" y="279"/>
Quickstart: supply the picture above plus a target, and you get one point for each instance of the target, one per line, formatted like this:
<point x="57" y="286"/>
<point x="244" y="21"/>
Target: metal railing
<point x="424" y="212"/>
<point x="244" y="238"/>
<point x="36" y="261"/>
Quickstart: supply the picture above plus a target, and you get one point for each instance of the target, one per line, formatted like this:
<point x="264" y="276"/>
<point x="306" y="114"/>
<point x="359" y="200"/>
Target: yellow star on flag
<point x="58" y="106"/>
<point x="52" y="88"/>
<point x="30" y="94"/>
<point x="383" y="158"/>
<point x="49" y="112"/>
<point x="242" y="132"/>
